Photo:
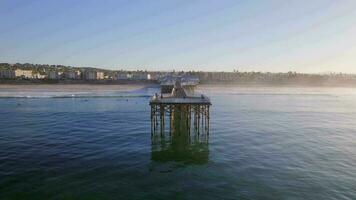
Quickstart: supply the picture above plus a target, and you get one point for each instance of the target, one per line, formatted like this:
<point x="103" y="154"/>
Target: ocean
<point x="94" y="142"/>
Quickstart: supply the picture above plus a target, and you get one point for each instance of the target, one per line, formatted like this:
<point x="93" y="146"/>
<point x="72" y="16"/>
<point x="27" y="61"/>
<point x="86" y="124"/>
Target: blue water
<point x="264" y="143"/>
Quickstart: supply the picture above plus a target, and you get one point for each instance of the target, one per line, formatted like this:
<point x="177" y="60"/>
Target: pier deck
<point x="191" y="100"/>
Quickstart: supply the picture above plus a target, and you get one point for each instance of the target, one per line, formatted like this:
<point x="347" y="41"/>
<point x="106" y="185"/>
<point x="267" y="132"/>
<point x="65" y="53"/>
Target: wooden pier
<point x="180" y="111"/>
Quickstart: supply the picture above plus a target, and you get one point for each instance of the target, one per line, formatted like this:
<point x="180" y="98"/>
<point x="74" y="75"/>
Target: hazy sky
<point x="210" y="35"/>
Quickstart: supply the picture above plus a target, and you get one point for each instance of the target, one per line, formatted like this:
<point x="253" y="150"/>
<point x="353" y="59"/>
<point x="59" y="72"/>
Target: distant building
<point x="152" y="76"/>
<point x="72" y="75"/>
<point x="135" y="76"/>
<point x="140" y="76"/>
<point x="7" y="74"/>
<point x="69" y="75"/>
<point x="53" y="75"/>
<point x="18" y="73"/>
<point x="23" y="73"/>
<point x="129" y="76"/>
<point x="93" y="75"/>
<point x="121" y="76"/>
<point x="39" y="76"/>
<point x="78" y="74"/>
<point x="100" y="75"/>
<point x="89" y="75"/>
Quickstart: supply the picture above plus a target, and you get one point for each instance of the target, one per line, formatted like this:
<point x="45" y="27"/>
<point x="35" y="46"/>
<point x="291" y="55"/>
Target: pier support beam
<point x="181" y="118"/>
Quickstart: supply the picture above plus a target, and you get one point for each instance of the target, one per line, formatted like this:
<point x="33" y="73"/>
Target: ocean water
<point x="95" y="143"/>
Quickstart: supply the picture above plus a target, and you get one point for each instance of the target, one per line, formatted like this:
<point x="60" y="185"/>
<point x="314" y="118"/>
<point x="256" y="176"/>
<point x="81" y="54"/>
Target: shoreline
<point x="74" y="82"/>
<point x="290" y="85"/>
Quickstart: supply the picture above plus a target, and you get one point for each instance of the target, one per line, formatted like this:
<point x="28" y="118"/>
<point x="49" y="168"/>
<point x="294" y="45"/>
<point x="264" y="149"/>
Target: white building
<point x="18" y="73"/>
<point x="99" y="75"/>
<point x="39" y="76"/>
<point x="129" y="76"/>
<point x="93" y="75"/>
<point x="78" y="74"/>
<point x="23" y="73"/>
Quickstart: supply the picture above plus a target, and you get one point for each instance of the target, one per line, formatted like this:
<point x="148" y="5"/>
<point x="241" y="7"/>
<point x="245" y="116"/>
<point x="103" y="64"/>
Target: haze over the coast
<point x="312" y="37"/>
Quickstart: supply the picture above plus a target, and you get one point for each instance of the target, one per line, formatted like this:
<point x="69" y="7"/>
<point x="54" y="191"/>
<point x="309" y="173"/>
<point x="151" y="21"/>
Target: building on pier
<point x="182" y="111"/>
<point x="188" y="83"/>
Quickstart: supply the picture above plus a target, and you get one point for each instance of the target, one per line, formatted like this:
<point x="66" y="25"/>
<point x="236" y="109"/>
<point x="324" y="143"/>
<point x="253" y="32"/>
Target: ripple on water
<point x="263" y="144"/>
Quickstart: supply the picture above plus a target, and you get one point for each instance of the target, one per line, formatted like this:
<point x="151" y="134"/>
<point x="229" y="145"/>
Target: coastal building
<point x="23" y="73"/>
<point x="90" y="75"/>
<point x="121" y="76"/>
<point x="18" y="73"/>
<point x="72" y="74"/>
<point x="100" y="76"/>
<point x="39" y="76"/>
<point x="7" y="74"/>
<point x="78" y="74"/>
<point x="152" y="76"/>
<point x="139" y="76"/>
<point x="93" y="75"/>
<point x="53" y="75"/>
<point x="129" y="76"/>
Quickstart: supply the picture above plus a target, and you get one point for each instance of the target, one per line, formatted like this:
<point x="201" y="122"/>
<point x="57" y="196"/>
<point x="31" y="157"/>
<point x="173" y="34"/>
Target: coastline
<point x="27" y="82"/>
<point x="73" y="82"/>
<point x="286" y="85"/>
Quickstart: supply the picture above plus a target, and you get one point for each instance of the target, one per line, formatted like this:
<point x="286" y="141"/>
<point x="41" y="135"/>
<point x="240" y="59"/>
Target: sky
<point x="315" y="36"/>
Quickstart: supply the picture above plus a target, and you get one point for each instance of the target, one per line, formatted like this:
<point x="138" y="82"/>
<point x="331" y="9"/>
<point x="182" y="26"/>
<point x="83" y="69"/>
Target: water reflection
<point x="185" y="146"/>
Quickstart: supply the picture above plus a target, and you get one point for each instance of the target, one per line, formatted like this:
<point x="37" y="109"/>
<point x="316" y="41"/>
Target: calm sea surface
<point x="95" y="143"/>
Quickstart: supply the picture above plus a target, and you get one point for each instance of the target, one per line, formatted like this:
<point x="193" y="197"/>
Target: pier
<point x="182" y="112"/>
